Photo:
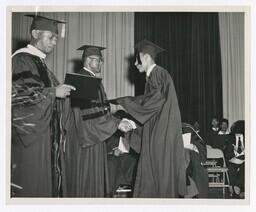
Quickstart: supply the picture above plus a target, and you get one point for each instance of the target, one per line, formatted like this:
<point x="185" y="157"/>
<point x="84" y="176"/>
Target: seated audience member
<point x="223" y="127"/>
<point x="196" y="126"/>
<point x="212" y="132"/>
<point x="223" y="137"/>
<point x="196" y="172"/>
<point x="122" y="160"/>
<point x="234" y="155"/>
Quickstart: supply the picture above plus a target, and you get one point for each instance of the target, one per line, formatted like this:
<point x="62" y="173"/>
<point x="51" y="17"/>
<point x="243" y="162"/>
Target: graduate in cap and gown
<point x="94" y="124"/>
<point x="161" y="171"/>
<point x="38" y="117"/>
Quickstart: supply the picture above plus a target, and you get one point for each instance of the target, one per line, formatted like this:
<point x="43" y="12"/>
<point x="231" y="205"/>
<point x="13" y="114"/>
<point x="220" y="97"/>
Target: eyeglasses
<point x="96" y="59"/>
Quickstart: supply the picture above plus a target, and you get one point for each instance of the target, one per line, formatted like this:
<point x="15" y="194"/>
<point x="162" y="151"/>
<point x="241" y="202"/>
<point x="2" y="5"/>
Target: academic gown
<point x="161" y="168"/>
<point x="37" y="161"/>
<point x="195" y="169"/>
<point x="211" y="137"/>
<point x="122" y="168"/>
<point x="88" y="172"/>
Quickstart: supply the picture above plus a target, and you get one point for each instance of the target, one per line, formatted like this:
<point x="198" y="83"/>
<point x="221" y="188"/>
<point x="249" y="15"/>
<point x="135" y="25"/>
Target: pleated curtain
<point x="113" y="30"/>
<point x="233" y="67"/>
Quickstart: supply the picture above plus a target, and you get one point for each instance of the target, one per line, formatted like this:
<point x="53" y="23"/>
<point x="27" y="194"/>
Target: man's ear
<point x="147" y="56"/>
<point x="35" y="34"/>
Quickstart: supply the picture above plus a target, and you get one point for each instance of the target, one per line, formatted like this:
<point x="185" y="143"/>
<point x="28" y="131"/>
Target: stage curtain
<point x="115" y="31"/>
<point x="232" y="57"/>
<point x="192" y="57"/>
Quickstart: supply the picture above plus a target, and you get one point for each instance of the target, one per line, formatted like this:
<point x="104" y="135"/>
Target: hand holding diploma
<point x="63" y="90"/>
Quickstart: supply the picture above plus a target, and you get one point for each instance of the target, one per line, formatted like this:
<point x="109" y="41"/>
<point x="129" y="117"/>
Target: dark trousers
<point x="236" y="175"/>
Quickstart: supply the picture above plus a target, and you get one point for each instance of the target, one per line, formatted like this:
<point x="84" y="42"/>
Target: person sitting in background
<point x="234" y="155"/>
<point x="212" y="132"/>
<point x="196" y="156"/>
<point x="223" y="137"/>
<point x="196" y="126"/>
<point x="215" y="124"/>
<point x="223" y="127"/>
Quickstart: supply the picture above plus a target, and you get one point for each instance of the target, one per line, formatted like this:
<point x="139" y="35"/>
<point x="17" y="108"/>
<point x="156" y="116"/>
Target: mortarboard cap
<point x="91" y="50"/>
<point x="148" y="47"/>
<point x="43" y="23"/>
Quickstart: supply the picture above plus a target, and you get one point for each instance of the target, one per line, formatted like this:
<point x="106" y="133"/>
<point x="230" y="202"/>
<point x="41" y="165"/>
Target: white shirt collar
<point x="31" y="50"/>
<point x="150" y="68"/>
<point x="223" y="133"/>
<point x="89" y="71"/>
<point x="215" y="129"/>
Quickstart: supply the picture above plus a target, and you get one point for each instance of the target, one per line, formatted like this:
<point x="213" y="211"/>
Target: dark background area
<point x="192" y="57"/>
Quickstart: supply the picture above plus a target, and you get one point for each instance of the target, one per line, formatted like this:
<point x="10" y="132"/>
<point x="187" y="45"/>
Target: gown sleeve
<point x="143" y="107"/>
<point x="32" y="103"/>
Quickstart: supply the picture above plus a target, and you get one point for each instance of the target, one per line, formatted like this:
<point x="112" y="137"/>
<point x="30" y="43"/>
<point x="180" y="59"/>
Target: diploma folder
<point x="86" y="86"/>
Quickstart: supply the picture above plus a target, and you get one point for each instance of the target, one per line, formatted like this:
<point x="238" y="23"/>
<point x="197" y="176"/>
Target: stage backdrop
<point x="192" y="57"/>
<point x="209" y="80"/>
<point x="115" y="31"/>
<point x="233" y="71"/>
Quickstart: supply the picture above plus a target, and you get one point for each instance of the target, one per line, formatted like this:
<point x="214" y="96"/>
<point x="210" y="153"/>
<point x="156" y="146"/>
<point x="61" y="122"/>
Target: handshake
<point x="126" y="125"/>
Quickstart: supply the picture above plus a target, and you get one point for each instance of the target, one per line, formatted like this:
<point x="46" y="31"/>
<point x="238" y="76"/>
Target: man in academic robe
<point x="37" y="166"/>
<point x="212" y="133"/>
<point x="93" y="125"/>
<point x="161" y="171"/>
<point x="197" y="156"/>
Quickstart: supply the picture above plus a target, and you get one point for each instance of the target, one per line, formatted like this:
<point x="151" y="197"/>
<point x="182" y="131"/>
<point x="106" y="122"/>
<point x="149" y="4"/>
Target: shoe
<point x="241" y="195"/>
<point x="237" y="190"/>
<point x="124" y="188"/>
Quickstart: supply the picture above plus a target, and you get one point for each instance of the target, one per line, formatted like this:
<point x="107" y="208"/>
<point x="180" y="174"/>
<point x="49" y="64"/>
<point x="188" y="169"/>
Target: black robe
<point x="161" y="168"/>
<point x="86" y="153"/>
<point x="195" y="168"/>
<point x="37" y="141"/>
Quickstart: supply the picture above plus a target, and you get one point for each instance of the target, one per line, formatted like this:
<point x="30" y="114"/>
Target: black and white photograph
<point x="128" y="104"/>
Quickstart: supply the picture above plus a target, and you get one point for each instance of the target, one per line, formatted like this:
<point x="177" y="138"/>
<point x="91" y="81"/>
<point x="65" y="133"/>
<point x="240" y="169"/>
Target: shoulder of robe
<point x="84" y="72"/>
<point x="24" y="58"/>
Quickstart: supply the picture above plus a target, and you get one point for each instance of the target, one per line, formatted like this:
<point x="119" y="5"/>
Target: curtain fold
<point x="232" y="55"/>
<point x="115" y="31"/>
<point x="192" y="57"/>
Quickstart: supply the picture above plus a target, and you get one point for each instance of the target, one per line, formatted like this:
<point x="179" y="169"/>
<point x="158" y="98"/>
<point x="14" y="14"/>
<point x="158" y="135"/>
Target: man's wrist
<point x="132" y="123"/>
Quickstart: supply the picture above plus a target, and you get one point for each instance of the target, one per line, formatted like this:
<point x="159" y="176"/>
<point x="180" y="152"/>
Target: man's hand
<point x="117" y="152"/>
<point x="235" y="147"/>
<point x="63" y="90"/>
<point x="125" y="126"/>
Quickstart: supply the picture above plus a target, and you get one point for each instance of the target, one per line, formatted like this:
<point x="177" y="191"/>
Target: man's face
<point x="94" y="63"/>
<point x="143" y="60"/>
<point x="215" y="122"/>
<point x="224" y="126"/>
<point x="139" y="66"/>
<point x="196" y="126"/>
<point x="46" y="41"/>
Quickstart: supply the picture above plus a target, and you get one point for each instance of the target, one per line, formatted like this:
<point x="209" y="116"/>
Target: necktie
<point x="239" y="148"/>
